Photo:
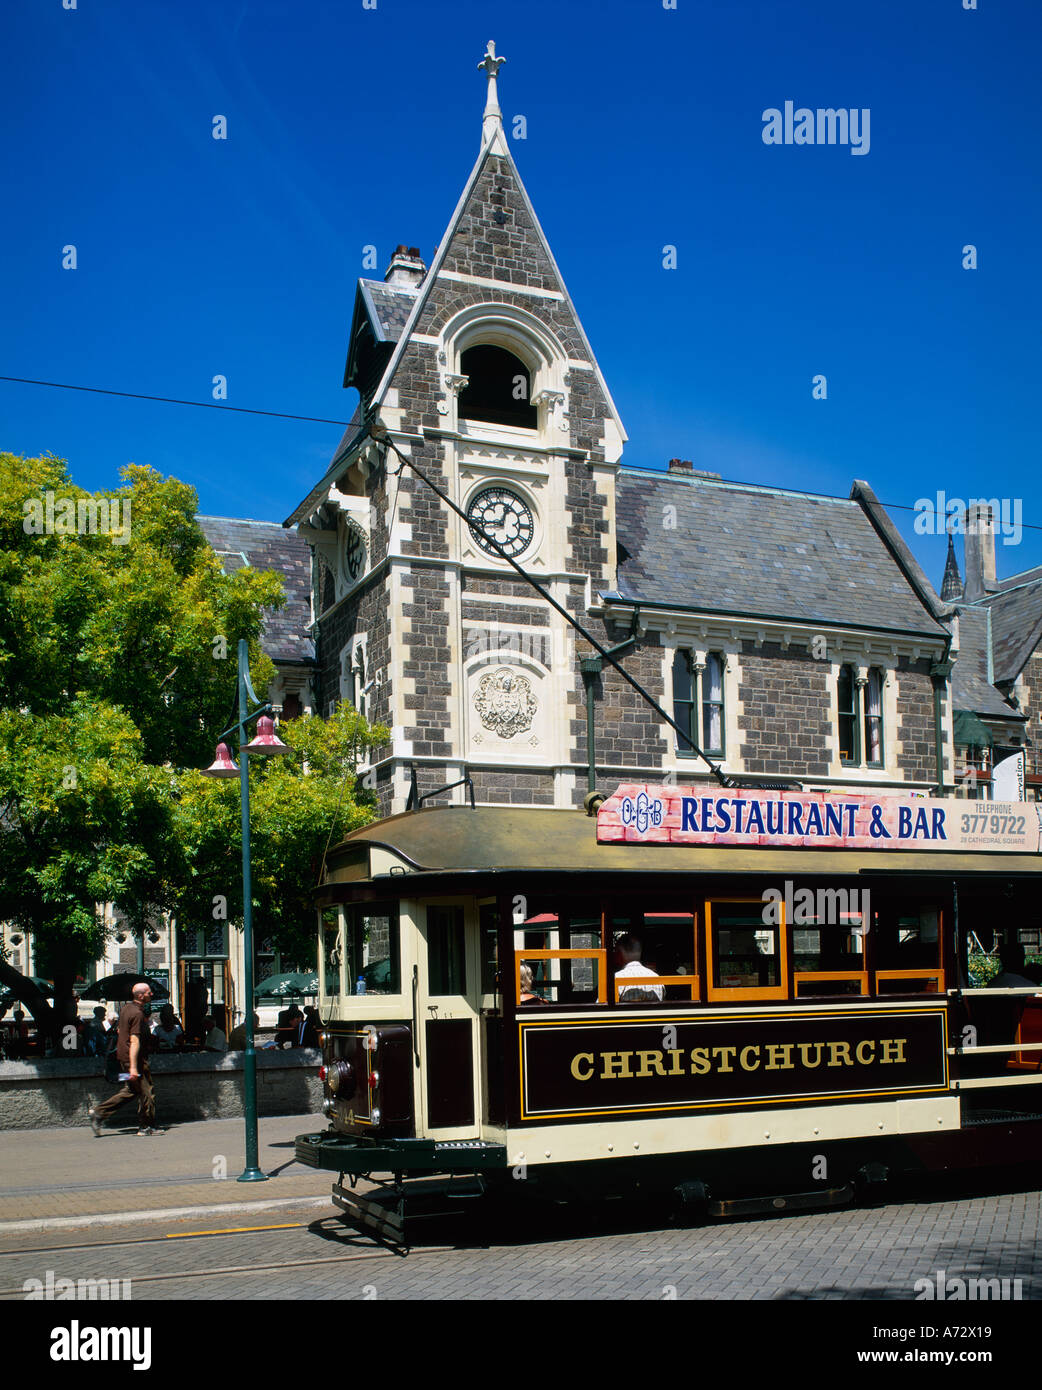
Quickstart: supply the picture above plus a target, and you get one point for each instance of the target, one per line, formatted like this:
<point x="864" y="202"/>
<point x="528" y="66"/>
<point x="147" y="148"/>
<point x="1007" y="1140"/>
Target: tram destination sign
<point x="579" y="1068"/>
<point x="658" y="814"/>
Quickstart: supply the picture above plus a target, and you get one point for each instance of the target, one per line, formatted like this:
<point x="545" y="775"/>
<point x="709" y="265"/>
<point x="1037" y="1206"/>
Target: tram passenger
<point x="627" y="964"/>
<point x="527" y="996"/>
<point x="1011" y="976"/>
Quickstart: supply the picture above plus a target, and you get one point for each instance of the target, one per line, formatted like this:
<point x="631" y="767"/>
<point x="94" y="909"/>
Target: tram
<point x="743" y="1000"/>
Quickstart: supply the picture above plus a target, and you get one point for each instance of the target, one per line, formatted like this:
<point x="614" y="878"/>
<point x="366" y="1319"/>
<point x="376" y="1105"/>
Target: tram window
<point x="331" y="948"/>
<point x="906" y="944"/>
<point x="829" y="958"/>
<point x="489" y="932"/>
<point x="557" y="924"/>
<point x="667" y="946"/>
<point x="372" y="949"/>
<point x="446" y="951"/>
<point x="746" y="954"/>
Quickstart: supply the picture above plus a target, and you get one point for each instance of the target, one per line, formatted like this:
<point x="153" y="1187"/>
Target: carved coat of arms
<point x="505" y="702"/>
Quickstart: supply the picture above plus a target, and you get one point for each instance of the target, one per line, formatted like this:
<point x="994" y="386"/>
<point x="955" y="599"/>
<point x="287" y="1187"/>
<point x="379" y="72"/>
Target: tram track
<point x="213" y="1271"/>
<point x="358" y="1257"/>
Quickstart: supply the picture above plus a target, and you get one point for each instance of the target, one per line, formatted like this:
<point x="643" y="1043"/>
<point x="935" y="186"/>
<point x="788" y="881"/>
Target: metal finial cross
<point x="490" y="63"/>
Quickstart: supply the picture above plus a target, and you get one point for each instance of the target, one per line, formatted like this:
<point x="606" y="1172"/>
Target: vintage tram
<point x="744" y="999"/>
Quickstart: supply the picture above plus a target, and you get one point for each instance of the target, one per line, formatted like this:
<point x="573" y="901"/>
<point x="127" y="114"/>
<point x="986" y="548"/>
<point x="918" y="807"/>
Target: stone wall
<point x="56" y="1092"/>
<point x="917" y="742"/>
<point x="786" y="717"/>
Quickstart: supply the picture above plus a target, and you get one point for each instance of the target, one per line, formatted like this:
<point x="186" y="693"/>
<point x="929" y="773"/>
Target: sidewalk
<point x="66" y="1175"/>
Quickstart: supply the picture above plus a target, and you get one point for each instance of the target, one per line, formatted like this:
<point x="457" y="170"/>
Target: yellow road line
<point x="234" y="1230"/>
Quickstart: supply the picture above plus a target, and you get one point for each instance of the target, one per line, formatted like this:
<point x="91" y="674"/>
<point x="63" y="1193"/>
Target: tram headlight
<point x="376" y="1115"/>
<point x="340" y="1078"/>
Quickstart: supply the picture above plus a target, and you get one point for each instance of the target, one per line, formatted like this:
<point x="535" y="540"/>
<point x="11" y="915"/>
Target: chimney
<point x="980" y="550"/>
<point x="688" y="469"/>
<point x="407" y="267"/>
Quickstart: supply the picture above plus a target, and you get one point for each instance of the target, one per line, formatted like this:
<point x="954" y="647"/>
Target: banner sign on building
<point x="658" y="814"/>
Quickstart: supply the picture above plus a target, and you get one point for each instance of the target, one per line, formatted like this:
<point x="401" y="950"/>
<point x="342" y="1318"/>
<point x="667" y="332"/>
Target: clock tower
<point x="478" y="369"/>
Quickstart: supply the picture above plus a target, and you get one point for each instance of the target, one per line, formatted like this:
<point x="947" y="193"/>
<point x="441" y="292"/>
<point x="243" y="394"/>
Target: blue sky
<point x="350" y="126"/>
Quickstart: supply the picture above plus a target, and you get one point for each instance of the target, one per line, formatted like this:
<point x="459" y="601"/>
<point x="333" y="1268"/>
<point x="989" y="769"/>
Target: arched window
<point x="499" y="390"/>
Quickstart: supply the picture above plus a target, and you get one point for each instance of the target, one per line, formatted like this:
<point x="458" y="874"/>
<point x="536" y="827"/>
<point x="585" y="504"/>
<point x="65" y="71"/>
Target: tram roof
<point x="453" y="840"/>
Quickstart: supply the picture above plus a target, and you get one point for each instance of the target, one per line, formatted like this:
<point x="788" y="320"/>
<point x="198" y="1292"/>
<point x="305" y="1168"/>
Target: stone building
<point x="790" y="635"/>
<point x="997" y="682"/>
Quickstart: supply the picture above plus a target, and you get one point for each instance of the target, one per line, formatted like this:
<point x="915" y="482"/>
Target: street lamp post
<point x="264" y="744"/>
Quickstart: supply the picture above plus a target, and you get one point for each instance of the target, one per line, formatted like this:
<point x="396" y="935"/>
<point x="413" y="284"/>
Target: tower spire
<point x="951" y="587"/>
<point x="492" y="125"/>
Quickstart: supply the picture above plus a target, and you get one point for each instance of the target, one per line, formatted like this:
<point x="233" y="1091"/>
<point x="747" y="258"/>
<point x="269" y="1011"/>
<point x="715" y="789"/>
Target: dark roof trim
<point x="933" y="634"/>
<point x="888" y="533"/>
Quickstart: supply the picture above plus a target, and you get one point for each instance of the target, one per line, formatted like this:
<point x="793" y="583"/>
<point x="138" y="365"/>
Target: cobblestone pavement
<point x="876" y="1253"/>
<point x="67" y="1173"/>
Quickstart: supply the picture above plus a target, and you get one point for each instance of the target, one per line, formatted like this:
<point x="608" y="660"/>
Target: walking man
<point x="132" y="1050"/>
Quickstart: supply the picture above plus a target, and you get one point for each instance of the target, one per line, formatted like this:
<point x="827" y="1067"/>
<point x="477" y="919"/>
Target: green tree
<point x="83" y="820"/>
<point x="298" y="806"/>
<point x="117" y="663"/>
<point x="149" y="625"/>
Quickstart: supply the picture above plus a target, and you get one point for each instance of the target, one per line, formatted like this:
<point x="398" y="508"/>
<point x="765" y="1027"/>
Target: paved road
<point x="876" y="1253"/>
<point x="67" y="1174"/>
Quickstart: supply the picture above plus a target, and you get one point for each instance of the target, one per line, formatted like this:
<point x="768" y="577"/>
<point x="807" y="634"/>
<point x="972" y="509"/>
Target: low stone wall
<point x="53" y="1092"/>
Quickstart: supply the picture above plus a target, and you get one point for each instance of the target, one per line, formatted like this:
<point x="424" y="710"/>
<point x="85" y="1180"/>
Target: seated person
<point x="1011" y="976"/>
<point x="168" y="1032"/>
<point x="527" y="996"/>
<point x="213" y="1037"/>
<point x="288" y="1026"/>
<point x="237" y="1037"/>
<point x="628" y="966"/>
<point x="308" y="1029"/>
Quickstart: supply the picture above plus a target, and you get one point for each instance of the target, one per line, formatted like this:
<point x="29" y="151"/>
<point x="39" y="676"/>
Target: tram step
<point x="788" y="1201"/>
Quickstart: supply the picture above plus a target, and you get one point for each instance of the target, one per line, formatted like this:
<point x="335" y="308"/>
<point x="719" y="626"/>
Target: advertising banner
<point x="660" y="814"/>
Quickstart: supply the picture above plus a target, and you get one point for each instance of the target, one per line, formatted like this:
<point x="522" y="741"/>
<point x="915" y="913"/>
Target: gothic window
<point x="698" y="701"/>
<point x="860" y="709"/>
<point x="499" y="388"/>
<point x="874" y="718"/>
<point x="849" y="751"/>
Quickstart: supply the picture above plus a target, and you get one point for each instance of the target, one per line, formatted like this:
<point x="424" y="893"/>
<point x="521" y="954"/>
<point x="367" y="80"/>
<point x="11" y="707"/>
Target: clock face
<point x="353" y="553"/>
<point x="501" y="514"/>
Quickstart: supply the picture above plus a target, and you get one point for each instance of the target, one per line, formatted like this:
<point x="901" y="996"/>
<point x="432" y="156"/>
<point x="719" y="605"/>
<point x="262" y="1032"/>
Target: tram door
<point x="447" y="1013"/>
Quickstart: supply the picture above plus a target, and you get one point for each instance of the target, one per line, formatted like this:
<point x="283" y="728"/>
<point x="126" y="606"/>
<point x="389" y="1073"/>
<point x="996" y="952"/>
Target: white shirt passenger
<point x="635" y="970"/>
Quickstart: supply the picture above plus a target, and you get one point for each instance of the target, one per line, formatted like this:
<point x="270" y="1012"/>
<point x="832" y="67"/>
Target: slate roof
<point x="265" y="545"/>
<point x="1016" y="625"/>
<point x="388" y="307"/>
<point x="740" y="549"/>
<point x="971" y="688"/>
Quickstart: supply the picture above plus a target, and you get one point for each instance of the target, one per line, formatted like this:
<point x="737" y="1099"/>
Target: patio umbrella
<point x="8" y="997"/>
<point x="121" y="987"/>
<point x="294" y="985"/>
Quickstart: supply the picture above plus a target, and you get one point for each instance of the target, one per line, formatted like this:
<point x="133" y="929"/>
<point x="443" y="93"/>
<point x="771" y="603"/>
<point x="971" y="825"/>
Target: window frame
<point x="716" y="994"/>
<point x="853" y="714"/>
<point x="699" y="704"/>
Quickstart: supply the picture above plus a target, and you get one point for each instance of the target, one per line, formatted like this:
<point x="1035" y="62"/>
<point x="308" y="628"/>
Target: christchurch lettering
<point x="824" y="126"/>
<point x="702" y="1061"/>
